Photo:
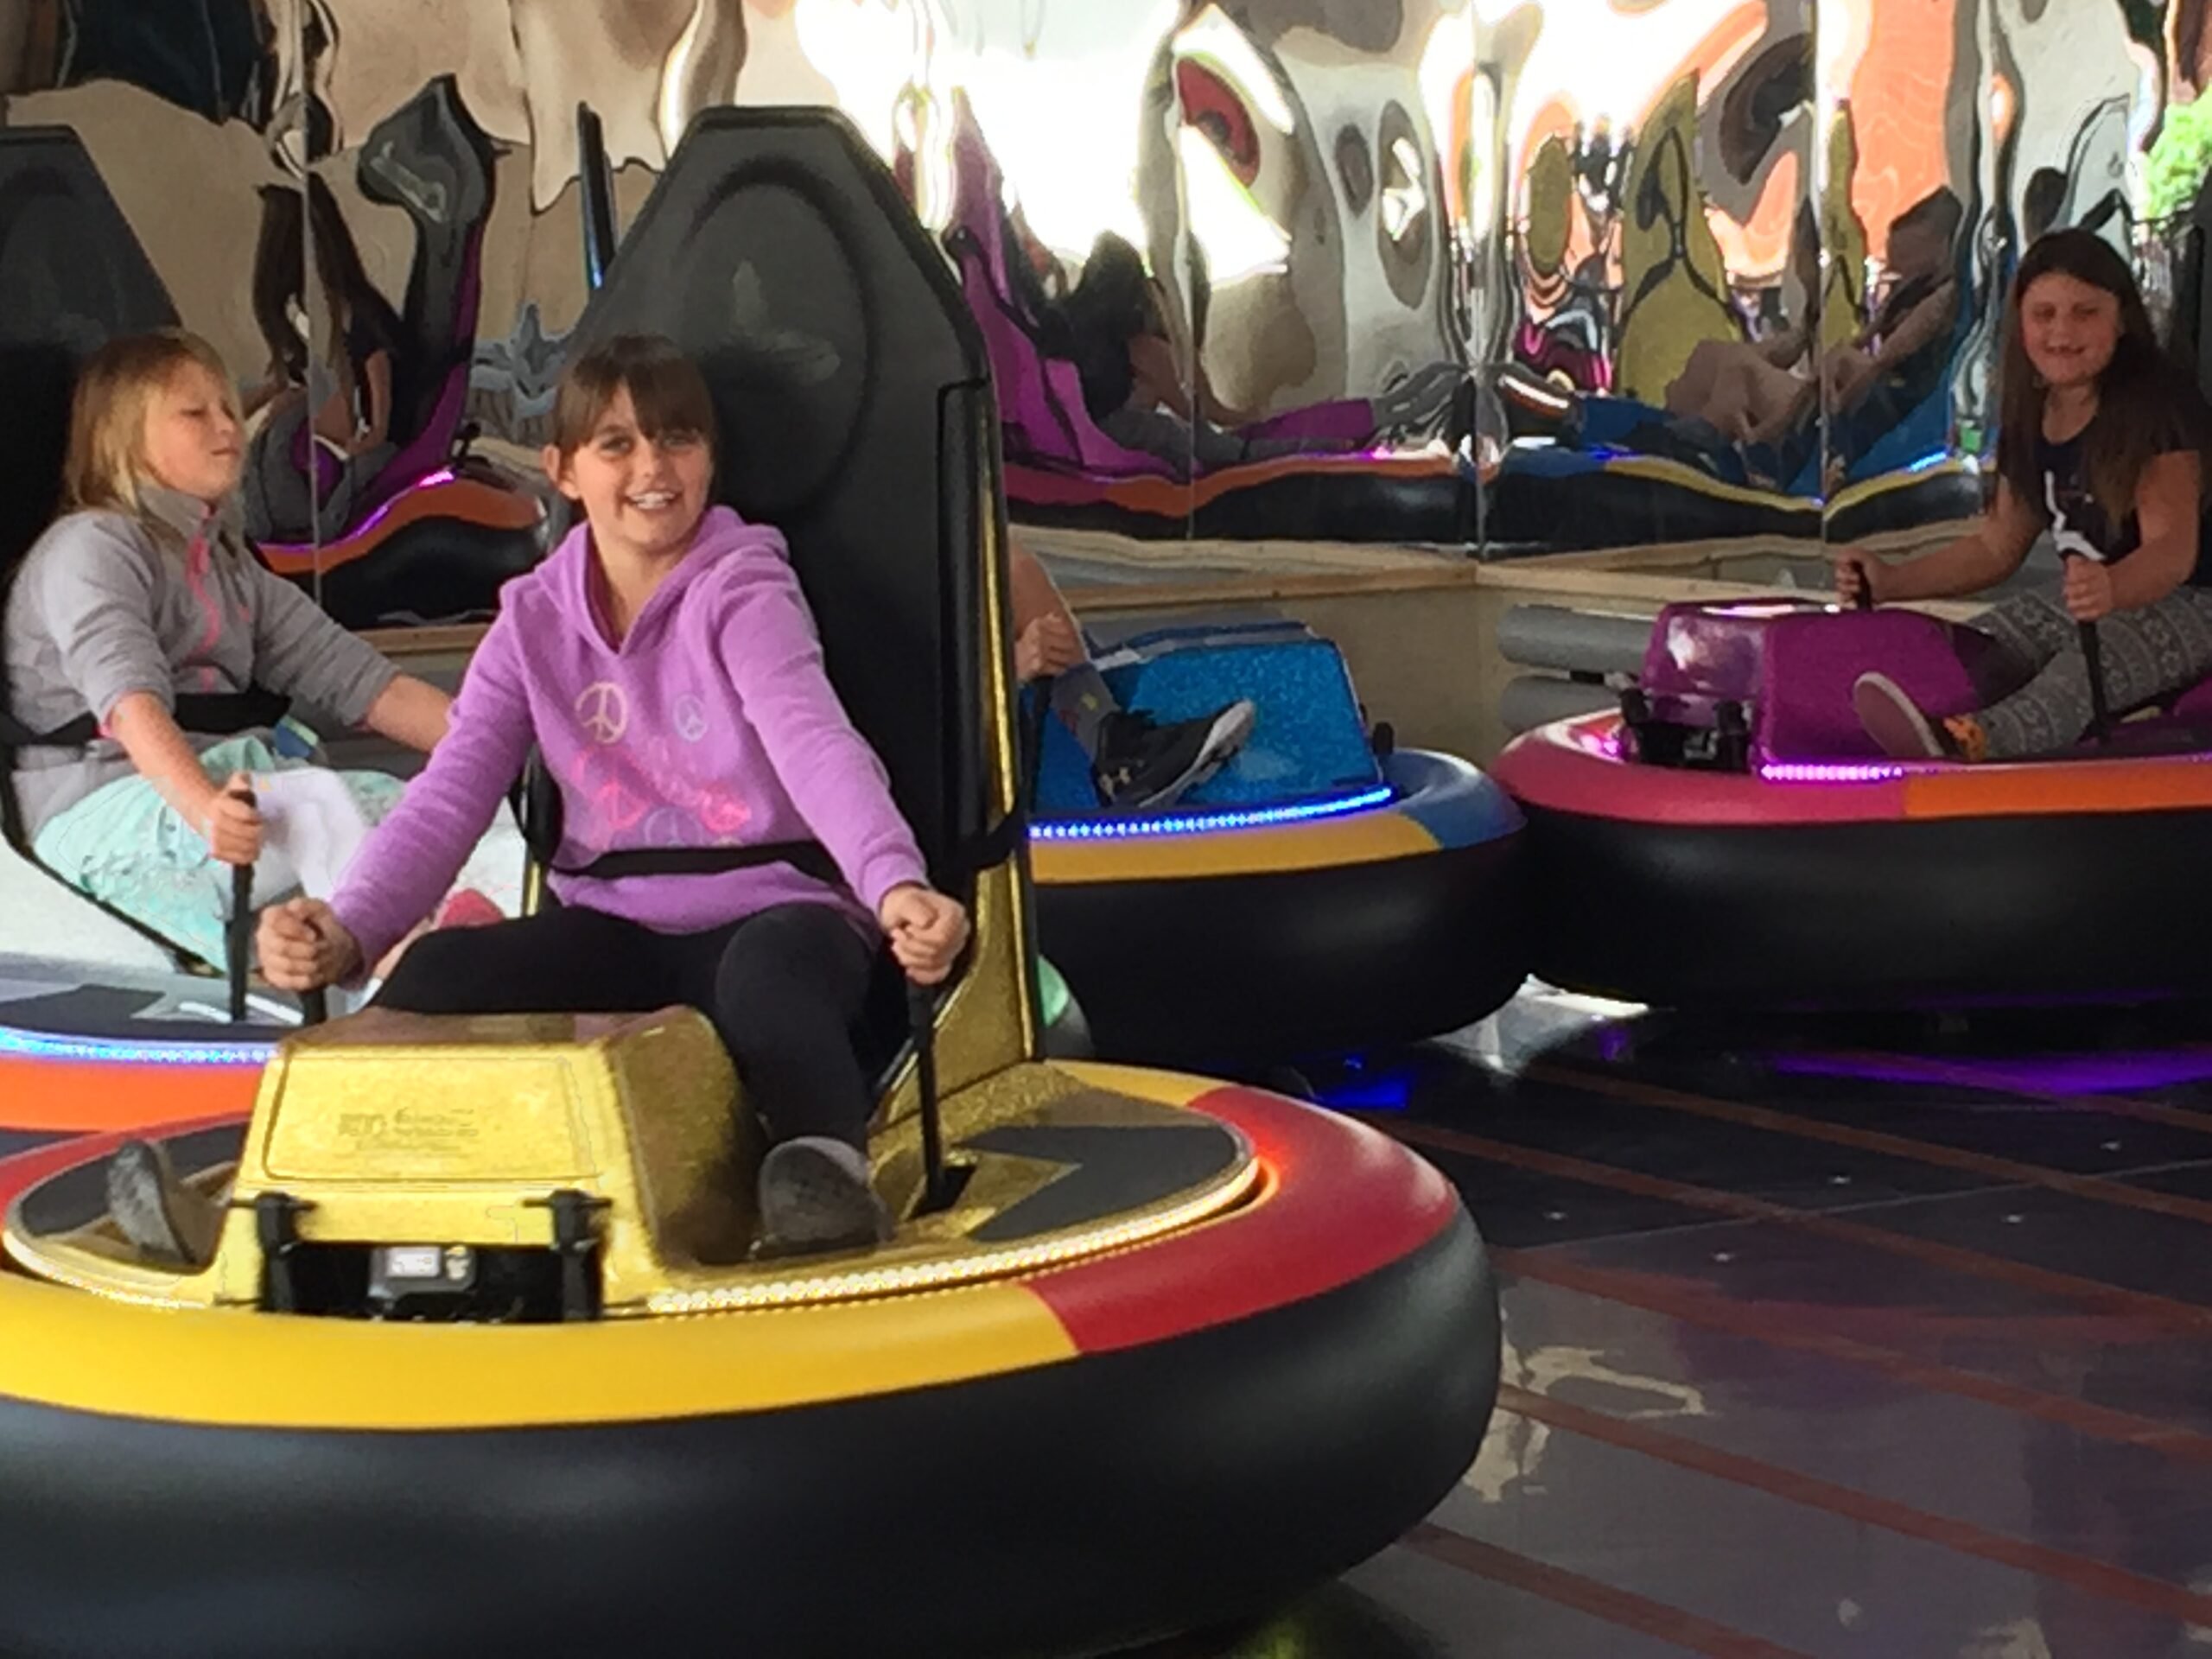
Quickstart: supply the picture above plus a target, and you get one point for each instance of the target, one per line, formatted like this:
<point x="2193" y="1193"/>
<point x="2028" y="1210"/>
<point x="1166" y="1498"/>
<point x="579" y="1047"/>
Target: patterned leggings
<point x="2147" y="654"/>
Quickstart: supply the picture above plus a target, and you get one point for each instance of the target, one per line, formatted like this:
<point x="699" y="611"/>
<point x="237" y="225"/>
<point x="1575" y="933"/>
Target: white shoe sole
<point x="1227" y="735"/>
<point x="1893" y="720"/>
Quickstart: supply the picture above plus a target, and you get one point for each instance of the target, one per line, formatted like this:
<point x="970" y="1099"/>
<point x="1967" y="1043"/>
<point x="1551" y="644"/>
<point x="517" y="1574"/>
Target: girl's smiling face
<point x="194" y="442"/>
<point x="2070" y="328"/>
<point x="644" y="495"/>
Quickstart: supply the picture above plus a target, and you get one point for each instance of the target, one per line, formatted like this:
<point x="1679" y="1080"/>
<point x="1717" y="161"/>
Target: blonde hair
<point x="107" y="418"/>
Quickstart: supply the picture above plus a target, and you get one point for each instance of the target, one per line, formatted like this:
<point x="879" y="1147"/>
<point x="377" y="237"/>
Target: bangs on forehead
<point x="666" y="391"/>
<point x="182" y="368"/>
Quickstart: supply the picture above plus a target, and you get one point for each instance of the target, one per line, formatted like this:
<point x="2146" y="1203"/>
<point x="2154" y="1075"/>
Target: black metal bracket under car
<point x="277" y="1225"/>
<point x="576" y="1241"/>
<point x="1725" y="746"/>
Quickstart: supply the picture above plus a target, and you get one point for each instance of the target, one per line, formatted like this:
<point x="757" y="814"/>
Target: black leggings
<point x="784" y="988"/>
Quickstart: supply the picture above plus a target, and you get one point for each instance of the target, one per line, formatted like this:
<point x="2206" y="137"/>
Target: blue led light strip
<point x="124" y="1051"/>
<point x="1200" y="823"/>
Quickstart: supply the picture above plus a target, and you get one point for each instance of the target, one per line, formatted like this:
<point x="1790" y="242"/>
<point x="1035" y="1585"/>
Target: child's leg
<point x="565" y="960"/>
<point x="125" y="847"/>
<point x="2029" y="629"/>
<point x="1780" y="402"/>
<point x="785" y="987"/>
<point x="2146" y="654"/>
<point x="1690" y="393"/>
<point x="1084" y="703"/>
<point x="784" y="990"/>
<point x="1732" y="400"/>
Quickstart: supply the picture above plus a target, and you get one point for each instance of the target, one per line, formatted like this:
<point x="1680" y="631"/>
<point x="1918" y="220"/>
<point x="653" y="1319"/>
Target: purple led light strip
<point x="1830" y="772"/>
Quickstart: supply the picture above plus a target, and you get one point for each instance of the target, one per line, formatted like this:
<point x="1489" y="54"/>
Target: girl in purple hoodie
<point x="664" y="663"/>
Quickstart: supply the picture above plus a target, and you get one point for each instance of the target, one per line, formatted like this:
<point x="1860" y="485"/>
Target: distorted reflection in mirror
<point x="1511" y="275"/>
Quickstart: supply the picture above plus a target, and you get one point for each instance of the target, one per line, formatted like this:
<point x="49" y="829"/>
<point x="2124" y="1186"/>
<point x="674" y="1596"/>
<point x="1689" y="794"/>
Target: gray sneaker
<point x="1896" y="722"/>
<point x="815" y="1196"/>
<point x="165" y="1220"/>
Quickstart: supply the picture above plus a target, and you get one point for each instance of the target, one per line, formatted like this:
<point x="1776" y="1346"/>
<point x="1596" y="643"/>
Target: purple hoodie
<point x="711" y="725"/>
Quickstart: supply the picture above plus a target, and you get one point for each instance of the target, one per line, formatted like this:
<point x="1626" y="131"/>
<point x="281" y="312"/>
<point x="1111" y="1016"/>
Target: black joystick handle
<point x="238" y="931"/>
<point x="2093" y="656"/>
<point x="921" y="1014"/>
<point x="2099" y="712"/>
<point x="237" y="943"/>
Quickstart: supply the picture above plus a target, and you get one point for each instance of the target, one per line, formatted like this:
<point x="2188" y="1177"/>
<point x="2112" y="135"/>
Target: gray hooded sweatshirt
<point x="170" y="603"/>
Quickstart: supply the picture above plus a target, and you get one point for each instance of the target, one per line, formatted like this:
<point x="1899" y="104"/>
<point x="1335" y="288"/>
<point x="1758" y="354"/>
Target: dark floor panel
<point x="1783" y="1168"/>
<point x="2135" y="1506"/>
<point x="1519" y="1208"/>
<point x="1933" y="1410"/>
<point x="2087" y="1239"/>
<point x="1799" y="1280"/>
<point x="2160" y="1255"/>
<point x="2091" y="1238"/>
<point x="1822" y="1078"/>
<point x="1817" y="1583"/>
<point x="2187" y="1181"/>
<point x="2073" y="1136"/>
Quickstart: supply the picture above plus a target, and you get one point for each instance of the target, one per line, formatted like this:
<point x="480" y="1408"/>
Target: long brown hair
<point x="2141" y="396"/>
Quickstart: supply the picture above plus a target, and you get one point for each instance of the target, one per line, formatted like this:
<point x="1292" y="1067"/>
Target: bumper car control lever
<point x="237" y="944"/>
<point x="277" y="1226"/>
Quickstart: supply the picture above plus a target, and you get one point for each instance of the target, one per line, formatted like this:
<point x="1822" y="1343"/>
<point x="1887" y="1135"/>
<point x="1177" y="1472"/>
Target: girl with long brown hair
<point x="2102" y="443"/>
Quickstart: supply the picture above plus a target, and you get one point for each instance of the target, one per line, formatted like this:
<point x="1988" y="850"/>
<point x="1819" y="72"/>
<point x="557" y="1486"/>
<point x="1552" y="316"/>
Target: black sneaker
<point x="815" y="1196"/>
<point x="1143" y="765"/>
<point x="165" y="1220"/>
